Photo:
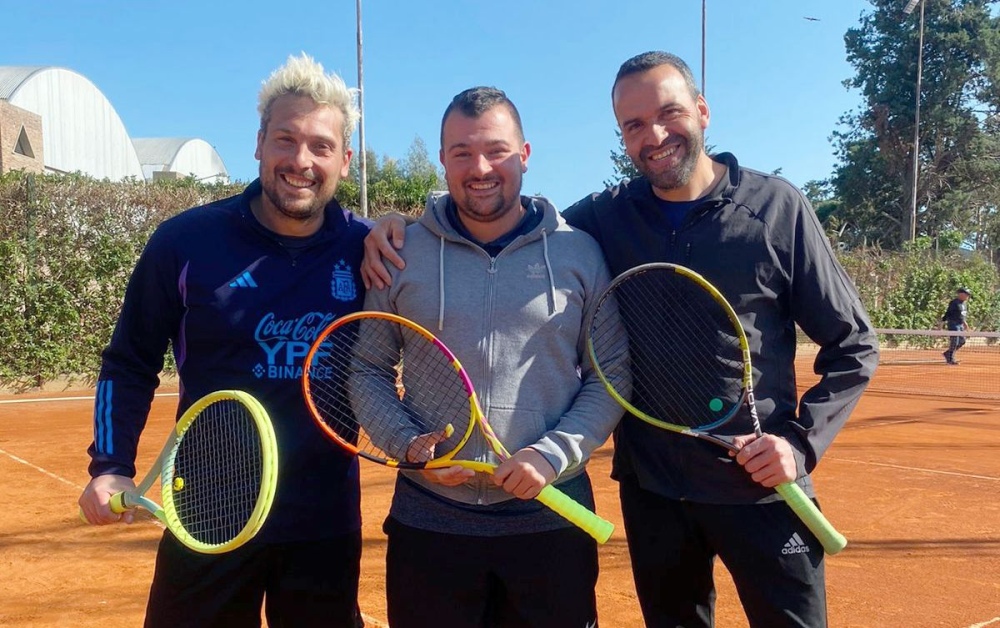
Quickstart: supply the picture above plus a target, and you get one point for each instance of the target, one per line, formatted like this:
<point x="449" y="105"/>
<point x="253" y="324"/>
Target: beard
<point x="679" y="175"/>
<point x="296" y="208"/>
<point x="488" y="209"/>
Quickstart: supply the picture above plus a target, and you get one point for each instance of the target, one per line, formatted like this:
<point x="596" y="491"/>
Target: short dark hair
<point x="654" y="59"/>
<point x="476" y="101"/>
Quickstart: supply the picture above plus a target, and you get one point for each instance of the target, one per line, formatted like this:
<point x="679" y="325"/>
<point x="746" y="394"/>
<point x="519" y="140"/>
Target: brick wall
<point x="12" y="121"/>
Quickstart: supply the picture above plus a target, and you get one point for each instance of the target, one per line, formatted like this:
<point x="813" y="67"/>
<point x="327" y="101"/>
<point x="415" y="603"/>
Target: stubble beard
<point x="293" y="209"/>
<point x="485" y="211"/>
<point x="679" y="175"/>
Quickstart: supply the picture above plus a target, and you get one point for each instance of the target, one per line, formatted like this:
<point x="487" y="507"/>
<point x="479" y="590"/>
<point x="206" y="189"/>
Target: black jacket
<point x="756" y="238"/>
<point x="955" y="315"/>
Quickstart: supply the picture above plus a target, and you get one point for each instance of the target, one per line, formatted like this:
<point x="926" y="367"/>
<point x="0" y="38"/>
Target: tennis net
<point x="912" y="362"/>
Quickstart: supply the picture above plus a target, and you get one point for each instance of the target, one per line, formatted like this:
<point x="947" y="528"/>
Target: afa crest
<point x="342" y="286"/>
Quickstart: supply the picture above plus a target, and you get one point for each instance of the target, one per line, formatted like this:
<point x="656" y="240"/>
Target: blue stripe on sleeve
<point x="102" y="419"/>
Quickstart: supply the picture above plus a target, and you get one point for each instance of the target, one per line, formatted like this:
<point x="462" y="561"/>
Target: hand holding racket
<point x="217" y="472"/>
<point x="686" y="366"/>
<point x="375" y="383"/>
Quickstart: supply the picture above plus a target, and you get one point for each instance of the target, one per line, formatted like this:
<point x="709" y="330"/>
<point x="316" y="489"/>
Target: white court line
<point x="986" y="623"/>
<point x="905" y="468"/>
<point x="41" y="470"/>
<point x="89" y="398"/>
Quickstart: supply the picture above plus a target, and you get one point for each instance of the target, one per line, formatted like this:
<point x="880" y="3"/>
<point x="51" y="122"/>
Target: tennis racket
<point x="375" y="381"/>
<point x="684" y="364"/>
<point x="218" y="472"/>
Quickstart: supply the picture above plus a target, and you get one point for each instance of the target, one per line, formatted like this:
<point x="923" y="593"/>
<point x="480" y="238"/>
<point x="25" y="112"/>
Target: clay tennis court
<point x="913" y="482"/>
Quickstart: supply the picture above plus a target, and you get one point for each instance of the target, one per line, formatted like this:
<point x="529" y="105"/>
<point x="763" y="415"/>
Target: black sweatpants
<point x="313" y="583"/>
<point x="545" y="580"/>
<point x="775" y="562"/>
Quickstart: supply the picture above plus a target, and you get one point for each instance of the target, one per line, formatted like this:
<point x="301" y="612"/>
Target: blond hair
<point x="304" y="76"/>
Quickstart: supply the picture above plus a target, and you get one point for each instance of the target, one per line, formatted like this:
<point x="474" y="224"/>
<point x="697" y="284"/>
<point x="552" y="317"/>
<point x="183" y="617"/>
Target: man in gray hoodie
<point x="507" y="286"/>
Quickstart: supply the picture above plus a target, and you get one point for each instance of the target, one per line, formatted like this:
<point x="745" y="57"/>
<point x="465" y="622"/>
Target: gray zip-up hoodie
<point x="517" y="324"/>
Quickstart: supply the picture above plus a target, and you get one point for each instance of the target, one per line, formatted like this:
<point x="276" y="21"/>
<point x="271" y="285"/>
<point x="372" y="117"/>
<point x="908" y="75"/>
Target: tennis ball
<point x="715" y="404"/>
<point x="178" y="484"/>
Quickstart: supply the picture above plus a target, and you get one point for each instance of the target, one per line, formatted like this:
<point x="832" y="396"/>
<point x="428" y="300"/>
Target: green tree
<point x="622" y="163"/>
<point x="393" y="186"/>
<point x="959" y="141"/>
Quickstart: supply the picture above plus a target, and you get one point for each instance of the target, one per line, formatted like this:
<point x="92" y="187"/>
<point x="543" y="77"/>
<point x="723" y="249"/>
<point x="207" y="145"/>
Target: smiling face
<point x="302" y="160"/>
<point x="663" y="127"/>
<point x="484" y="159"/>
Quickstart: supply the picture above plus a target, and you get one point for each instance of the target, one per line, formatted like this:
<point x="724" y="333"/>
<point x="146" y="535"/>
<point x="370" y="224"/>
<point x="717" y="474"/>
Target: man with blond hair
<point x="239" y="288"/>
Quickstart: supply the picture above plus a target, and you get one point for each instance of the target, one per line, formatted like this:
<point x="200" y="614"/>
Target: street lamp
<point x="910" y="5"/>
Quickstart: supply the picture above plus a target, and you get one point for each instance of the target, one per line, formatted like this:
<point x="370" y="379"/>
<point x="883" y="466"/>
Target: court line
<point x="41" y="470"/>
<point x="986" y="623"/>
<point x="89" y="398"/>
<point x="905" y="468"/>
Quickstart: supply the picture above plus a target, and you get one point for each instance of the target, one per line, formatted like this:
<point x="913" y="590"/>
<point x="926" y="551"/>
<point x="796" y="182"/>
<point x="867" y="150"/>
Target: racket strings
<point x="217" y="473"/>
<point x="378" y="384"/>
<point x="684" y="362"/>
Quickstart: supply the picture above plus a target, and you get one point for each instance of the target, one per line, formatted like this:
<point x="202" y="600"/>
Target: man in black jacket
<point x="756" y="238"/>
<point x="954" y="320"/>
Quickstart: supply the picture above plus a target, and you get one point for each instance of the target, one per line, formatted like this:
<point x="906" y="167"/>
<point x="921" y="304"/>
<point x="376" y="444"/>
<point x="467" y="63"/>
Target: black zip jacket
<point x="757" y="239"/>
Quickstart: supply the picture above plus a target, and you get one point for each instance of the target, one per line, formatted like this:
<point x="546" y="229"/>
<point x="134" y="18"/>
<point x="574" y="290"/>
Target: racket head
<point x="670" y="349"/>
<point x="373" y="381"/>
<point x="218" y="480"/>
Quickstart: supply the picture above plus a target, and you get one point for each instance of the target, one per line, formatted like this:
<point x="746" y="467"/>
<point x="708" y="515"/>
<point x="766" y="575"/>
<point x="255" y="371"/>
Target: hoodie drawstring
<point x="441" y="286"/>
<point x="548" y="268"/>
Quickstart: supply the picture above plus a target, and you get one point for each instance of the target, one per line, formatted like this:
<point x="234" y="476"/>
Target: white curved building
<point x="188" y="157"/>
<point x="81" y="131"/>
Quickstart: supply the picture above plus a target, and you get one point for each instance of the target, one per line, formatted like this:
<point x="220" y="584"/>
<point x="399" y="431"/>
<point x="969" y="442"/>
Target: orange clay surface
<point x="913" y="482"/>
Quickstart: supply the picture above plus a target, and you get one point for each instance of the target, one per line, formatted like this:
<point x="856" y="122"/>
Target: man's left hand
<point x="524" y="474"/>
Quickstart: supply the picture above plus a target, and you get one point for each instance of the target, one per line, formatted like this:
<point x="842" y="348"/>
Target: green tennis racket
<point x="218" y="471"/>
<point x="684" y="364"/>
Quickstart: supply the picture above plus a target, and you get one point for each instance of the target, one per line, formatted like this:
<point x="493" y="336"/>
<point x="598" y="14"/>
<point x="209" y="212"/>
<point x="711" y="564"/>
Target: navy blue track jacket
<point x="239" y="306"/>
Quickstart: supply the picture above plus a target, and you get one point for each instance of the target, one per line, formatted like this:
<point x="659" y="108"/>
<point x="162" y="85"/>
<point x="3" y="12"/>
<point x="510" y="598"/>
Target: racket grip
<point x="831" y="540"/>
<point x="117" y="503"/>
<point x="576" y="514"/>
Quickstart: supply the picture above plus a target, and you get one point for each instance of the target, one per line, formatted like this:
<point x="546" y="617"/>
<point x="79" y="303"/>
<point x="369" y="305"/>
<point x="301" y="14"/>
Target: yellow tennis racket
<point x="672" y="351"/>
<point x="218" y="471"/>
<point x="375" y="381"/>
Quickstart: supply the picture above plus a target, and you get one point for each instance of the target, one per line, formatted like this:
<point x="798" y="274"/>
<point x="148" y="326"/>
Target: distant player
<point x="954" y="320"/>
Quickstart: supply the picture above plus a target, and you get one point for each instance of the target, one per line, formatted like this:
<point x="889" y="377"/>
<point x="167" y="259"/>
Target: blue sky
<point x="193" y="69"/>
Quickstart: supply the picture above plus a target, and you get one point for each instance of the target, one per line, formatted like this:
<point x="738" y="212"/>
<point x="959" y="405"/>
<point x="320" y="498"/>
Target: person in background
<point x="507" y="286"/>
<point x="756" y="238"/>
<point x="239" y="288"/>
<point x="954" y="319"/>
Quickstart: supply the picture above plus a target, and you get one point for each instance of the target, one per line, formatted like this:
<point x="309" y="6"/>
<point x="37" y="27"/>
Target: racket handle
<point x="576" y="514"/>
<point x="117" y="503"/>
<point x="831" y="540"/>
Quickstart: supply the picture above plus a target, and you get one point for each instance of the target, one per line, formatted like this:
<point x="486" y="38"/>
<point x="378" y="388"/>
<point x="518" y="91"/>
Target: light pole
<point x="910" y="5"/>
<point x="702" y="47"/>
<point x="363" y="169"/>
